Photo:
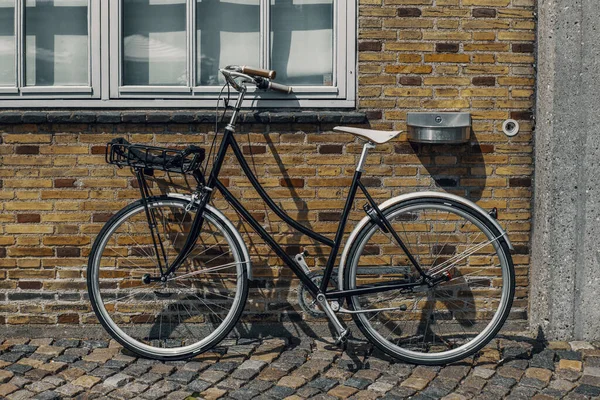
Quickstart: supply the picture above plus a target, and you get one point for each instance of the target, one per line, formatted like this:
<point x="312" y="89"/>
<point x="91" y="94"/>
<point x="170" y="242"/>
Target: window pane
<point x="7" y="43"/>
<point x="302" y="41"/>
<point x="228" y="33"/>
<point x="154" y="42"/>
<point x="56" y="42"/>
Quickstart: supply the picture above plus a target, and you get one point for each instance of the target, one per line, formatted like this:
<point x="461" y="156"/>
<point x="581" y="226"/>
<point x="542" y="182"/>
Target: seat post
<point x="363" y="157"/>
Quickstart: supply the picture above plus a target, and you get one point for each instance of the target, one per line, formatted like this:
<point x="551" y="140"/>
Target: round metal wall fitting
<point x="510" y="127"/>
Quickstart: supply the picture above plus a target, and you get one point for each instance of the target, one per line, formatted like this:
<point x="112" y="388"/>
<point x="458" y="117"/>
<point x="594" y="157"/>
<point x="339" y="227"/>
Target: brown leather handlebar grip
<point x="265" y="73"/>
<point x="280" y="88"/>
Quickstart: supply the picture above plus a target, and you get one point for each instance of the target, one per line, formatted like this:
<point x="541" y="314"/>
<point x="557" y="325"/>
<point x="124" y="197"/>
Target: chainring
<point x="307" y="302"/>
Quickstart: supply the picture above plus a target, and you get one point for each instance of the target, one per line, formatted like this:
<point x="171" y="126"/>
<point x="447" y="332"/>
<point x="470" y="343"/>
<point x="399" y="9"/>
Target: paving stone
<point x="323" y="384"/>
<point x="20" y="381"/>
<point x="306" y="392"/>
<point x="271" y="374"/>
<point x="183" y="377"/>
<point x="103" y="372"/>
<point x="249" y="369"/>
<point x="510" y="372"/>
<point x="280" y="392"/>
<point x="5" y="376"/>
<point x="579" y="345"/>
<point x="95" y="344"/>
<point x="8" y="388"/>
<point x="41" y="342"/>
<point x="213" y="394"/>
<point x="342" y="392"/>
<point x="568" y="355"/>
<point x="179" y="395"/>
<point x="260" y="386"/>
<point x="87" y="366"/>
<point x="67" y="358"/>
<point x="199" y="385"/>
<point x="160" y="390"/>
<point x="572" y="365"/>
<point x="118" y="380"/>
<point x="21" y="395"/>
<point x="543" y="359"/>
<point x="293" y="382"/>
<point x="48" y="395"/>
<point x="415" y="383"/>
<point x="12" y="357"/>
<point x="136" y="369"/>
<point x="357" y="383"/>
<point x="223" y="366"/>
<point x="86" y="381"/>
<point x="243" y="394"/>
<point x="562" y="385"/>
<point x="24" y="348"/>
<point x="496" y="391"/>
<point x="484" y="373"/>
<point x="116" y="364"/>
<point x="36" y="374"/>
<point x="66" y="343"/>
<point x="212" y="376"/>
<point x="40" y="386"/>
<point x="588" y="390"/>
<point x="69" y="390"/>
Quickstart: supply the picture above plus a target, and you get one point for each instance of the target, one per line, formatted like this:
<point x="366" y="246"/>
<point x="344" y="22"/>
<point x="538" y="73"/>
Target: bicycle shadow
<point x="290" y="321"/>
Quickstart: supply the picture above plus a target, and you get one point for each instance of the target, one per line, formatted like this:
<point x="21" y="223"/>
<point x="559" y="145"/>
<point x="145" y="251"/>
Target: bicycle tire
<point x="114" y="267"/>
<point x="403" y="348"/>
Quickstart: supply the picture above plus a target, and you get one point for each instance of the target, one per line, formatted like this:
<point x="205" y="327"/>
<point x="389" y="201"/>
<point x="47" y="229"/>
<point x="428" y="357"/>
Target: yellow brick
<point x="407" y="92"/>
<point x="448" y="58"/>
<point x="28" y="183"/>
<point x="403" y="46"/>
<point x="408" y="69"/>
<point x="27" y="138"/>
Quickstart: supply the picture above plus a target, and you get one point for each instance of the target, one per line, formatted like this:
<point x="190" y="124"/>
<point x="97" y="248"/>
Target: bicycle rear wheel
<point x="446" y="322"/>
<point x="195" y="308"/>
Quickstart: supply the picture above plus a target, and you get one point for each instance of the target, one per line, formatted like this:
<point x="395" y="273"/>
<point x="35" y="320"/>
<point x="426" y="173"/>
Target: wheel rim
<point x="191" y="309"/>
<point x="449" y="320"/>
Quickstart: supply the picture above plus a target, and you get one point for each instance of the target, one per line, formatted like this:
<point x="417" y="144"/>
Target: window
<point x="167" y="53"/>
<point x="47" y="49"/>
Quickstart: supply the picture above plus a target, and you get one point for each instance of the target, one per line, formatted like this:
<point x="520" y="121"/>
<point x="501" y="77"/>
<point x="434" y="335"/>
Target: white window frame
<point x="30" y="96"/>
<point x="105" y="70"/>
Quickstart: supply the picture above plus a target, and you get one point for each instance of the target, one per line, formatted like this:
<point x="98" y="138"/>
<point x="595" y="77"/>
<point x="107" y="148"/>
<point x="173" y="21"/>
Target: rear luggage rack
<point x="124" y="154"/>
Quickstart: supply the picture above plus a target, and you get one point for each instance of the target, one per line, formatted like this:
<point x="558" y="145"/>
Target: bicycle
<point x="427" y="277"/>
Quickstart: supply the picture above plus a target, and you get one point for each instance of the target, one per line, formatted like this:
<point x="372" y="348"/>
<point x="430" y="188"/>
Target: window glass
<point x="56" y="42"/>
<point x="7" y="43"/>
<point x="228" y="33"/>
<point x="302" y="41"/>
<point x="154" y="42"/>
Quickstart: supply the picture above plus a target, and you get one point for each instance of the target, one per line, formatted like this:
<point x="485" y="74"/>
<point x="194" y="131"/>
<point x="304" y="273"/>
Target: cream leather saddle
<point x="369" y="134"/>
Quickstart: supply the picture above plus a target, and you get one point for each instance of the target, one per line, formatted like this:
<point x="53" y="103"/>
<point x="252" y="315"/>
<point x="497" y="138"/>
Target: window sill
<point x="180" y="117"/>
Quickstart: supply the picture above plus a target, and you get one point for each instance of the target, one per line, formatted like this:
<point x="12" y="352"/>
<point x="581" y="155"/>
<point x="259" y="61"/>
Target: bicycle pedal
<point x="342" y="340"/>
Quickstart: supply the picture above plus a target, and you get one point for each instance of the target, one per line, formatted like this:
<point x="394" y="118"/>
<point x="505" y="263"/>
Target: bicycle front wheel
<point x="454" y="318"/>
<point x="197" y="305"/>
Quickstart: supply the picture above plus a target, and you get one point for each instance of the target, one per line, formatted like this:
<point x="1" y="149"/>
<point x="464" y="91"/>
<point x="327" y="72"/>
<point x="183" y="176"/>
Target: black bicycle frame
<point x="214" y="182"/>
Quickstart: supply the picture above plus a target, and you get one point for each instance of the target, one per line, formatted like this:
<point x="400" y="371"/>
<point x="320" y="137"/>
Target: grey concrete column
<point x="565" y="265"/>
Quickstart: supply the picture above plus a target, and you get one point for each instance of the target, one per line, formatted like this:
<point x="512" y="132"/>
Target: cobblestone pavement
<point x="277" y="368"/>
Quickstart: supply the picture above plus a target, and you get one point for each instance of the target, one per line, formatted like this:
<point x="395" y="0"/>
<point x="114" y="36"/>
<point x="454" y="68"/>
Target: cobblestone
<point x="278" y="369"/>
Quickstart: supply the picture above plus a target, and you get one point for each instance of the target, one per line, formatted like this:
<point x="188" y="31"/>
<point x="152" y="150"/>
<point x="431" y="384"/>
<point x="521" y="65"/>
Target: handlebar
<point x="259" y="77"/>
<point x="265" y="73"/>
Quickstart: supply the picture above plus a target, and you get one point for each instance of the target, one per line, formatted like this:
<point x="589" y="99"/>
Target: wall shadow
<point x="454" y="167"/>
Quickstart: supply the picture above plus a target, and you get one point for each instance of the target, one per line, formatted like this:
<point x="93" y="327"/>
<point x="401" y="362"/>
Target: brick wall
<point x="469" y="55"/>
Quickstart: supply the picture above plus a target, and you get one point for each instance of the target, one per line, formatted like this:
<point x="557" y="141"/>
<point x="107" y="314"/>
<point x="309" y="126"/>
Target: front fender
<point x="411" y="196"/>
<point x="229" y="224"/>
